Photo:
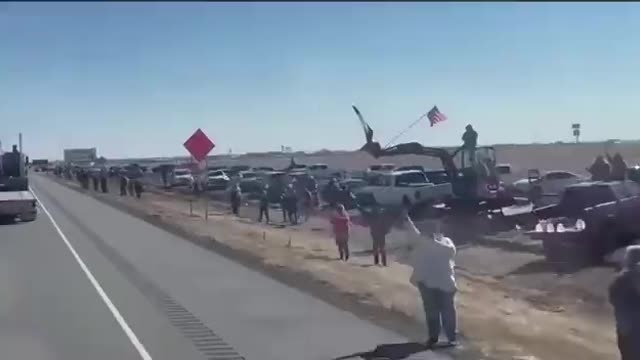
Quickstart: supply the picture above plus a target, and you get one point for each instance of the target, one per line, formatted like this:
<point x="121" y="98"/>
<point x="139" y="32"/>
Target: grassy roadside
<point x="501" y="325"/>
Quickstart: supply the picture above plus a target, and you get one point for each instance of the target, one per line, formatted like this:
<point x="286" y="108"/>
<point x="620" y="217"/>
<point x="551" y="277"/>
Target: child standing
<point x="341" y="227"/>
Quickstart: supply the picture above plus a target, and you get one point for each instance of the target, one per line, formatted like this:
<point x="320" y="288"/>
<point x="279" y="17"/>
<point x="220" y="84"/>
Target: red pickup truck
<point x="591" y="220"/>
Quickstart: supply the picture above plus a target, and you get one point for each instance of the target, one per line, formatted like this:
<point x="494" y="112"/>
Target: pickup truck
<point x="402" y="188"/>
<point x="591" y="220"/>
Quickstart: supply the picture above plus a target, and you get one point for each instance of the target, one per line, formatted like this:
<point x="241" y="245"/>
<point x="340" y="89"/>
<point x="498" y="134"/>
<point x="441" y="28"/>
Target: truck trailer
<point x="16" y="199"/>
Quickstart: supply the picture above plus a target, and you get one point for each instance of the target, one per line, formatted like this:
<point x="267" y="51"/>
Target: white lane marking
<point x="116" y="314"/>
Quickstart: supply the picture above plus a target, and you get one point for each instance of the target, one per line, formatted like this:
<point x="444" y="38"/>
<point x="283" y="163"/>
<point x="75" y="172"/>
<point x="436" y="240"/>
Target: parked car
<point x="263" y="168"/>
<point x="277" y="180"/>
<point x="250" y="182"/>
<point x="354" y="184"/>
<point x="381" y="168"/>
<point x="181" y="177"/>
<point x="633" y="173"/>
<point x="234" y="170"/>
<point x="217" y="167"/>
<point x="550" y="183"/>
<point x="217" y="180"/>
<point x="322" y="171"/>
<point x="503" y="169"/>
<point x="411" y="167"/>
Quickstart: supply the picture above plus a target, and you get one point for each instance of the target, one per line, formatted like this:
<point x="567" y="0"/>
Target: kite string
<point x="407" y="129"/>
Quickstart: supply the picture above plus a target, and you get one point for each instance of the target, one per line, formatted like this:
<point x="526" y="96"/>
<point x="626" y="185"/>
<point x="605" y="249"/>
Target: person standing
<point x="236" y="199"/>
<point x="380" y="224"/>
<point x="379" y="228"/>
<point x="624" y="296"/>
<point x="470" y="142"/>
<point x="433" y="275"/>
<point x="264" y="206"/>
<point x="164" y="174"/>
<point x="283" y="206"/>
<point x="130" y="186"/>
<point x="600" y="170"/>
<point x="138" y="187"/>
<point x="123" y="185"/>
<point x="618" y="167"/>
<point x="305" y="200"/>
<point x="95" y="180"/>
<point x="103" y="180"/>
<point x="341" y="229"/>
<point x="291" y="203"/>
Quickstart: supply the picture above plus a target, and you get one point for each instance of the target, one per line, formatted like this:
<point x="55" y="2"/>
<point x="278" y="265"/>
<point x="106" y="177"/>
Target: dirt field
<point x="510" y="303"/>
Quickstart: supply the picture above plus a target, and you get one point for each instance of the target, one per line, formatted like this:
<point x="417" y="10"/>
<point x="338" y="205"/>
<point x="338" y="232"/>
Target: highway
<point x="86" y="281"/>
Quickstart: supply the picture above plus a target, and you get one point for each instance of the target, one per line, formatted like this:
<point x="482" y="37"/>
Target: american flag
<point x="435" y="116"/>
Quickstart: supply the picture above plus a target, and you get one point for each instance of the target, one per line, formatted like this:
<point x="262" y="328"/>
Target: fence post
<point x="206" y="207"/>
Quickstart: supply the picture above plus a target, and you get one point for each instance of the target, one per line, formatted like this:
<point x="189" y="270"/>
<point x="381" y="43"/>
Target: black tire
<point x="406" y="202"/>
<point x="603" y="243"/>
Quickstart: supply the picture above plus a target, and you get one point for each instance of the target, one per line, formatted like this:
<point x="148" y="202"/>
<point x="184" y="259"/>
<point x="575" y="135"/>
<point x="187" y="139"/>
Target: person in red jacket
<point x="341" y="226"/>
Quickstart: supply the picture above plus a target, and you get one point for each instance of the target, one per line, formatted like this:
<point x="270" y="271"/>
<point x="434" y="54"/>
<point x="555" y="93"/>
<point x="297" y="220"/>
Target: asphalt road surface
<point x="86" y="281"/>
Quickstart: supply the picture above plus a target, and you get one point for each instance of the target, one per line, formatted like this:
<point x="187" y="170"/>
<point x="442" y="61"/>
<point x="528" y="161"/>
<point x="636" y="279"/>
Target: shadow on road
<point x="388" y="352"/>
<point x="320" y="257"/>
<point x="7" y="221"/>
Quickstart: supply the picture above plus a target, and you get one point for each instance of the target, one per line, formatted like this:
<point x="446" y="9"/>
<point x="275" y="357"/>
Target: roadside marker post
<point x="199" y="145"/>
<point x="206" y="194"/>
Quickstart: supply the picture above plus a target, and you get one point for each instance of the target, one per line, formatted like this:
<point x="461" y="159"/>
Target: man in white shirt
<point x="433" y="274"/>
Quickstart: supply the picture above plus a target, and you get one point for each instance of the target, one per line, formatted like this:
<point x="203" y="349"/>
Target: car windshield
<point x="411" y="178"/>
<point x="216" y="173"/>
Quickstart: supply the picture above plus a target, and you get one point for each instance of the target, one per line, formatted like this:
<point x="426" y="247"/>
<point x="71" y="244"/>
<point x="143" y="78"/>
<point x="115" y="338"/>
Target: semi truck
<point x="16" y="200"/>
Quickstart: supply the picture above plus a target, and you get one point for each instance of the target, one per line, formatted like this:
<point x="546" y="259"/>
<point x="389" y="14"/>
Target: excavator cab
<point x="480" y="179"/>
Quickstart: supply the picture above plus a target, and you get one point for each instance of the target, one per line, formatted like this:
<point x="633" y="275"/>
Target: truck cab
<point x="15" y="198"/>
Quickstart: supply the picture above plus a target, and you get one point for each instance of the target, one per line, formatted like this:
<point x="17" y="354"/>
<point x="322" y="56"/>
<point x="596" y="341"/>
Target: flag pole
<point x="407" y="129"/>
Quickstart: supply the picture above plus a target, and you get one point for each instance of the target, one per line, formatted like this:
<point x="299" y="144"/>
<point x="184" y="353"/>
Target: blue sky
<point x="136" y="79"/>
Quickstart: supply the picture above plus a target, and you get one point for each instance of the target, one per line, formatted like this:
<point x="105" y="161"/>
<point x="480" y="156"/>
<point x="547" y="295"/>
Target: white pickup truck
<point x="407" y="188"/>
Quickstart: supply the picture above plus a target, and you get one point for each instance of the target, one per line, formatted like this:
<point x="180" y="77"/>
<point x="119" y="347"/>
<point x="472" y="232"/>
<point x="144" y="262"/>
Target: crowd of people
<point x="297" y="200"/>
<point x="608" y="168"/>
<point x="130" y="183"/>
